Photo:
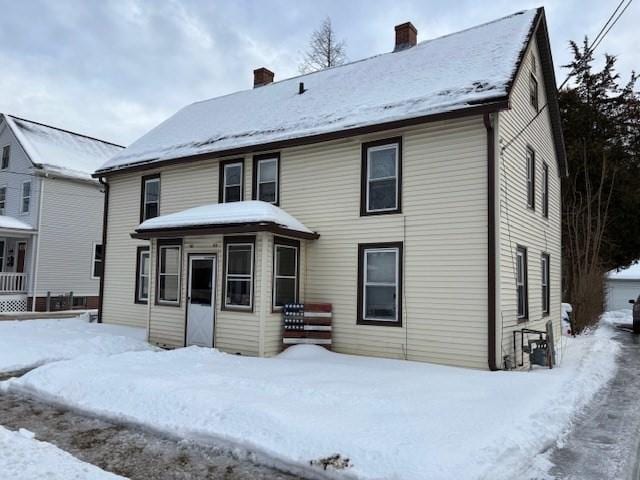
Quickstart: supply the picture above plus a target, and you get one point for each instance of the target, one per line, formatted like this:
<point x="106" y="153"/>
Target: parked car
<point x="636" y="315"/>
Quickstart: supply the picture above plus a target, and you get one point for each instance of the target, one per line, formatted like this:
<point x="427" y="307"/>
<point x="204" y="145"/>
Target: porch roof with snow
<point x="10" y="226"/>
<point x="464" y="73"/>
<point x="224" y="218"/>
<point x="60" y="153"/>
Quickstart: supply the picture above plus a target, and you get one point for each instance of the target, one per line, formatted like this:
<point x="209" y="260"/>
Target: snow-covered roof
<point x="253" y="212"/>
<point x="629" y="273"/>
<point x="471" y="67"/>
<point x="10" y="223"/>
<point x="60" y="152"/>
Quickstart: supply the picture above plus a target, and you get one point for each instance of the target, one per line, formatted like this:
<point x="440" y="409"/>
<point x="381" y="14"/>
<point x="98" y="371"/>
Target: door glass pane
<point x="285" y="291"/>
<point x="268" y="170"/>
<point x="382" y="194"/>
<point x="380" y="302"/>
<point x="285" y="261"/>
<point x="239" y="260"/>
<point x="382" y="163"/>
<point x="381" y="267"/>
<point x="232" y="194"/>
<point x="201" y="281"/>
<point x="267" y="192"/>
<point x="233" y="174"/>
<point x="238" y="292"/>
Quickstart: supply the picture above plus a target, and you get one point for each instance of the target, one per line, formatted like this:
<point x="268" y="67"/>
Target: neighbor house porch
<point x="17" y="246"/>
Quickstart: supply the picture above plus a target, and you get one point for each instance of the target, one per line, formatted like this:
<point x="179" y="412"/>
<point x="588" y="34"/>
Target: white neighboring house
<point x="622" y="285"/>
<point x="50" y="216"/>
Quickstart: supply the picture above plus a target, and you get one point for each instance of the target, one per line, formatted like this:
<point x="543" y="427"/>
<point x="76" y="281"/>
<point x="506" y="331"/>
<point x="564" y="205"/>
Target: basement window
<point x="522" y="283"/>
<point x="381" y="177"/>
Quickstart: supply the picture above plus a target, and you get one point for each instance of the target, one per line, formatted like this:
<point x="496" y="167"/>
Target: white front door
<point x="201" y="300"/>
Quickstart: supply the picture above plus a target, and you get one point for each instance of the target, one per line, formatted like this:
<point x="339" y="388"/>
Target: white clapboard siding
<point x="519" y="225"/>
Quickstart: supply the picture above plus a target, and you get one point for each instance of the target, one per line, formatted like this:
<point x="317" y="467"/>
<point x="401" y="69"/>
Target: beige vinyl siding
<point x="520" y="225"/>
<point x="118" y="305"/>
<point x="70" y="225"/>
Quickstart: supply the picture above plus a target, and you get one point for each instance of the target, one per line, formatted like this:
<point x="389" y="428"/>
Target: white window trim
<point x="160" y="300"/>
<point x="22" y="197"/>
<point x="225" y="185"/>
<point x="4" y="209"/>
<point x="1" y="155"/>
<point x="275" y="160"/>
<point x="366" y="283"/>
<point x="93" y="261"/>
<point x="395" y="147"/>
<point x="144" y="197"/>
<point x="276" y="276"/>
<point x="238" y="276"/>
<point x="139" y="297"/>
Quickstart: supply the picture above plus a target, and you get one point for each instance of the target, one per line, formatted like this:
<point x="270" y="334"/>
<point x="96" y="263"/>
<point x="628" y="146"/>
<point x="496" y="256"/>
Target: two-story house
<point x="51" y="213"/>
<point x="416" y="191"/>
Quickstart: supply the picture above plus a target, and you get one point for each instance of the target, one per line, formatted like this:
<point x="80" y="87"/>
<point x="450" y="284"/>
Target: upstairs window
<point x="6" y="152"/>
<point x="381" y="177"/>
<point x="521" y="283"/>
<point x="26" y="197"/>
<point x="96" y="263"/>
<point x="546" y="277"/>
<point x="238" y="272"/>
<point x="266" y="174"/>
<point x="150" y="204"/>
<point x="3" y="199"/>
<point x="231" y="181"/>
<point x="531" y="178"/>
<point x="533" y="91"/>
<point x="545" y="190"/>
<point x="286" y="255"/>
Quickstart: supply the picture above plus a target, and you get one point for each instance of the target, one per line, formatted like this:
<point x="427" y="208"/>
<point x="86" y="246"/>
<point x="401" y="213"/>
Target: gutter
<point x="491" y="242"/>
<point x="104" y="246"/>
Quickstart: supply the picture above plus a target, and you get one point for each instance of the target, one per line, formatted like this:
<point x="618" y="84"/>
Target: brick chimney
<point x="262" y="76"/>
<point x="406" y="36"/>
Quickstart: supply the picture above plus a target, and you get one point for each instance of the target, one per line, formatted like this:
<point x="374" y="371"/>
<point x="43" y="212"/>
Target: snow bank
<point x="443" y="74"/>
<point x="24" y="458"/>
<point x="251" y="211"/>
<point x="377" y="418"/>
<point x="618" y="317"/>
<point x="30" y="343"/>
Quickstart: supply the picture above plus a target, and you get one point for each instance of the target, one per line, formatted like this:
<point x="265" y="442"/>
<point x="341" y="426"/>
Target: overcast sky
<point x="115" y="69"/>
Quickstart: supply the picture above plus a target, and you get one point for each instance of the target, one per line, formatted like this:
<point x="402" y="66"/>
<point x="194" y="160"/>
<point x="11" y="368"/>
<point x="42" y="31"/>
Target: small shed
<point x="622" y="285"/>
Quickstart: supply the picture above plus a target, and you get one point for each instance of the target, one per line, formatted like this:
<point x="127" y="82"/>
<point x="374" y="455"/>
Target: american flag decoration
<point x="308" y="323"/>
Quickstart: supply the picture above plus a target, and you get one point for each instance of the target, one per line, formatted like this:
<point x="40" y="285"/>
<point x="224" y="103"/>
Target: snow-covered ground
<point x="377" y="418"/>
<point x="30" y="343"/>
<point x="22" y="457"/>
<point x="618" y="317"/>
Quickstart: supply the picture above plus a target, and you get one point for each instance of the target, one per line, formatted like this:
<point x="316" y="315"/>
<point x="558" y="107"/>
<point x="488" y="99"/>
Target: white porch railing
<point x="13" y="282"/>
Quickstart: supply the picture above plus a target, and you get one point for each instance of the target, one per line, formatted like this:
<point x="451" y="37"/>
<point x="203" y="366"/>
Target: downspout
<point x="491" y="242"/>
<point x="36" y="260"/>
<point x="105" y="214"/>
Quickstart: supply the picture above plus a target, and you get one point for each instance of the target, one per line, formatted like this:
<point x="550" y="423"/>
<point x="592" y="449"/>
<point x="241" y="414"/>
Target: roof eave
<point x="222" y="229"/>
<point x="491" y="105"/>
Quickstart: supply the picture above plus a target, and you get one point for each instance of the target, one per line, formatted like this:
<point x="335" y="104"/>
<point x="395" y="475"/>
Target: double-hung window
<point x="286" y="255"/>
<point x="381" y="177"/>
<point x="238" y="272"/>
<point x="533" y="85"/>
<point x="150" y="204"/>
<point x="531" y="178"/>
<point x="26" y="197"/>
<point x="3" y="200"/>
<point x="169" y="262"/>
<point x="231" y="181"/>
<point x="142" y="275"/>
<point x="380" y="284"/>
<point x="2" y="246"/>
<point x="545" y="190"/>
<point x="521" y="283"/>
<point x="266" y="174"/>
<point x="96" y="261"/>
<point x="546" y="277"/>
<point x="6" y="152"/>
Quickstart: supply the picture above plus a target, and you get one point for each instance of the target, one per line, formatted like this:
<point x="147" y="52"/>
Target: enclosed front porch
<point x="219" y="275"/>
<point x="17" y="247"/>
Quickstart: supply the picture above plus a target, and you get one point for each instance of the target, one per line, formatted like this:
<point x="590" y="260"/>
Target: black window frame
<point x="24" y="197"/>
<point x="140" y="251"/>
<point x="3" y="201"/>
<point x="95" y="260"/>
<point x="534" y="92"/>
<point x="287" y="243"/>
<point x="545" y="190"/>
<point x="364" y="177"/>
<point x="143" y="194"/>
<point x="222" y="179"/>
<point x="6" y="155"/>
<point x="545" y="282"/>
<point x="524" y="316"/>
<point x="530" y="183"/>
<point x="238" y="240"/>
<point x="168" y="243"/>
<point x="362" y="249"/>
<point x="255" y="183"/>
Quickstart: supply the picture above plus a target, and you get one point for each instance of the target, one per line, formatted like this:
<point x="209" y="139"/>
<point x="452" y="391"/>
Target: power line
<point x="596" y="43"/>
